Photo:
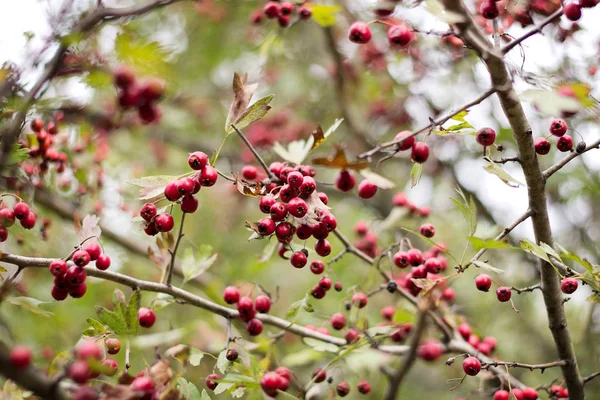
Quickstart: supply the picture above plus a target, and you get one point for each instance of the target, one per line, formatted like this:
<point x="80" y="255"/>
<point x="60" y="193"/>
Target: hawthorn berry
<point x="172" y="191"/>
<point x="113" y="345"/>
<point x="427" y="230"/>
<point x="123" y="76"/>
<point x="433" y="265"/>
<point x="406" y="143"/>
<point x="483" y="282"/>
<point x="399" y="199"/>
<point x="568" y="285"/>
<point x="198" y="160"/>
<point x="81" y="258"/>
<point x="503" y="294"/>
<point x="471" y="366"/>
<point x="232" y="355"/>
<point x="401" y="259"/>
<point x="189" y="204"/>
<point x="319" y="231"/>
<point x="588" y="3"/>
<point x="20" y="357"/>
<point x="329" y="222"/>
<point x="415" y="257"/>
<point x="490" y="341"/>
<point x="59" y="294"/>
<point x="558" y="127"/>
<point x="262" y="304"/>
<point x="342" y="389"/>
<point x="345" y="181"/>
<point x="448" y="295"/>
<point x="270" y="382"/>
<point x="430" y="350"/>
<point x="211" y="381"/>
<point x="265" y="226"/>
<point x="489" y="9"/>
<point x="309" y="185"/>
<point x="109" y="367"/>
<point x="542" y="146"/>
<point x="265" y="203"/>
<point x="399" y="35"/>
<point x="208" y="176"/>
<point x="287" y="193"/>
<point x="317" y="267"/>
<point x="297" y="207"/>
<point x="245" y="307"/>
<point x="79" y="371"/>
<point x="164" y="222"/>
<point x="465" y="330"/>
<point x="231" y="295"/>
<point x="284" y="232"/>
<point x="37" y="125"/>
<point x="351" y="335"/>
<point x="151" y="229"/>
<point x="420" y="152"/>
<point x="360" y="33"/>
<point x="388" y="313"/>
<point x="564" y="143"/>
<point x="21" y="210"/>
<point x="304" y="231"/>
<point x="77" y="291"/>
<point x="338" y="286"/>
<point x="58" y="267"/>
<point x="298" y="259"/>
<point x="75" y="275"/>
<point x="501" y="395"/>
<point x="304" y="12"/>
<point x="93" y="249"/>
<point x="359" y="299"/>
<point x="486" y="137"/>
<point x="366" y="189"/>
<point x="145" y="385"/>
<point x="146" y="317"/>
<point x="338" y="321"/>
<point x="103" y="262"/>
<point x="318" y="292"/>
<point x="185" y="186"/>
<point x="319" y="375"/>
<point x="529" y="394"/>
<point x="572" y="11"/>
<point x="88" y="350"/>
<point x="254" y="327"/>
<point x="7" y="217"/>
<point x="363" y="387"/>
<point x="271" y="9"/>
<point x="322" y="247"/>
<point x="295" y="179"/>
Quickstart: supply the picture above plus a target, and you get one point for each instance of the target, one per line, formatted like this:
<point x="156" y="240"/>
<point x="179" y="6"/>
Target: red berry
<point x="359" y="299"/>
<point x="245" y="307"/>
<point x="430" y="350"/>
<point x="503" y="294"/>
<point x="266" y="202"/>
<point x="448" y="295"/>
<point x="89" y="350"/>
<point x="77" y="291"/>
<point x="420" y="152"/>
<point x="401" y="259"/>
<point x="309" y="185"/>
<point x="152" y="89"/>
<point x="427" y="230"/>
<point x="21" y="210"/>
<point x="172" y="191"/>
<point x="265" y="226"/>
<point x="388" y="312"/>
<point x="124" y="76"/>
<point x="360" y="33"/>
<point x="279" y="211"/>
<point x="295" y="179"/>
<point x="249" y="172"/>
<point x="7" y="217"/>
<point x="568" y="285"/>
<point x="338" y="321"/>
<point x="208" y="176"/>
<point x="465" y="330"/>
<point x="329" y="222"/>
<point x="103" y="262"/>
<point x="317" y="267"/>
<point x="489" y="9"/>
<point x="284" y="232"/>
<point x="322" y="247"/>
<point x="254" y="327"/>
<point x="471" y="366"/>
<point x="58" y="293"/>
<point x="325" y="283"/>
<point x="345" y="181"/>
<point x="433" y="265"/>
<point x="542" y="146"/>
<point x="501" y="395"/>
<point x="185" y="186"/>
<point x="558" y="127"/>
<point x="564" y="143"/>
<point x="146" y="317"/>
<point x="399" y="35"/>
<point x="113" y="346"/>
<point x="297" y="207"/>
<point x="366" y="189"/>
<point x="529" y="394"/>
<point x="270" y="382"/>
<point x="483" y="282"/>
<point x="572" y="12"/>
<point x="338" y="286"/>
<point x="149" y="113"/>
<point x="79" y="371"/>
<point x="284" y="373"/>
<point x="75" y="275"/>
<point x="231" y="295"/>
<point x="164" y="222"/>
<point x="20" y="357"/>
<point x="588" y="3"/>
<point x="93" y="249"/>
<point x="399" y="200"/>
<point x="262" y="304"/>
<point x="363" y="387"/>
<point x="318" y="292"/>
<point x="486" y="137"/>
<point x="271" y="9"/>
<point x="145" y="385"/>
<point x="81" y="258"/>
<point x="415" y="257"/>
<point x="406" y="143"/>
<point x="109" y="366"/>
<point x="189" y="204"/>
<point x="232" y="355"/>
<point x="151" y="229"/>
<point x="286" y="8"/>
<point x="298" y="259"/>
<point x="319" y="375"/>
<point x="304" y="231"/>
<point x="342" y="389"/>
<point x="198" y="160"/>
<point x="211" y="379"/>
<point x="58" y="267"/>
<point x="304" y="12"/>
<point x="37" y="125"/>
<point x="352" y="335"/>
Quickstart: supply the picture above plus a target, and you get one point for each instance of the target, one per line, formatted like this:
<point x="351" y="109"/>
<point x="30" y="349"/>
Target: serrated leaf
<point x="297" y="306"/>
<point x="323" y="14"/>
<point x="252" y="114"/>
<point x="222" y="387"/>
<point x="549" y="102"/>
<point x="550" y="251"/>
<point x="238" y="392"/>
<point x="96" y="325"/>
<point x="415" y="174"/>
<point x="130" y="313"/>
<point x="534" y="249"/>
<point x="205" y="395"/>
<point x="497" y="170"/>
<point x="487" y="267"/>
<point x="98" y="79"/>
<point x="242" y="93"/>
<point x="479" y="244"/>
<point x="195" y="263"/>
<point x="189" y="390"/>
<point x="17" y="154"/>
<point x="468" y="210"/>
<point x="318" y="345"/>
<point x="377" y="180"/>
<point x="222" y="362"/>
<point x="114" y="321"/>
<point x="89" y="227"/>
<point x="148" y="58"/>
<point x="30" y="304"/>
<point x="157" y="339"/>
<point x="152" y="187"/>
<point x="581" y="261"/>
<point x="195" y="356"/>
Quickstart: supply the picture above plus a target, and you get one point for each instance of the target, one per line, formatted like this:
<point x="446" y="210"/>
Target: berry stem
<point x="127" y="355"/>
<point x="272" y="177"/>
<point x="169" y="275"/>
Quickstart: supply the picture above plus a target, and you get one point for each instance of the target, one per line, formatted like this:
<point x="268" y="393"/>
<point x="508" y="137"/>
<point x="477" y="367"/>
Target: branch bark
<point x="515" y="114"/>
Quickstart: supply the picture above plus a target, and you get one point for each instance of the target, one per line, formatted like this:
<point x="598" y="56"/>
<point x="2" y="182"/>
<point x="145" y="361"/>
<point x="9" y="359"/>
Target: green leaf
<point x="89" y="332"/>
<point x="238" y="392"/>
<point x="318" y="345"/>
<point x="324" y="15"/>
<point x="534" y="249"/>
<point x="194" y="264"/>
<point x="479" y="244"/>
<point x="549" y="102"/>
<point x="549" y="250"/>
<point x="30" y="304"/>
<point x="594" y="297"/>
<point x="581" y="261"/>
<point x="17" y="154"/>
<point x="113" y="320"/>
<point x="497" y="170"/>
<point x="222" y="362"/>
<point x="98" y="79"/>
<point x="195" y="356"/>
<point x="295" y="308"/>
<point x="97" y="326"/>
<point x="252" y="114"/>
<point x="468" y="209"/>
<point x="157" y="339"/>
<point x="415" y="174"/>
<point x="222" y="387"/>
<point x="130" y="313"/>
<point x="487" y="267"/>
<point x="237" y="378"/>
<point x="189" y="390"/>
<point x="148" y="58"/>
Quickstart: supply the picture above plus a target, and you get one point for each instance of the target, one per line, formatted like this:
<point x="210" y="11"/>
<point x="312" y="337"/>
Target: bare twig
<point x="588" y="378"/>
<point x="556" y="167"/>
<point x="530" y="367"/>
<point x="537" y="29"/>
<point x="255" y="153"/>
<point x="526" y="289"/>
<point x="180" y="235"/>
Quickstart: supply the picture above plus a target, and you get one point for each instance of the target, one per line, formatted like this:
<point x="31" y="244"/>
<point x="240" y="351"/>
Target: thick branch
<point x="536" y="189"/>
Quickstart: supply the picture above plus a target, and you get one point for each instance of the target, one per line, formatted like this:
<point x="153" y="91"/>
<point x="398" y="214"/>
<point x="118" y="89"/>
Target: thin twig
<point x="255" y="153"/>
<point x="588" y="378"/>
<point x="174" y="253"/>
<point x="537" y="29"/>
<point x="556" y="167"/>
<point x="530" y="367"/>
<point x="526" y="289"/>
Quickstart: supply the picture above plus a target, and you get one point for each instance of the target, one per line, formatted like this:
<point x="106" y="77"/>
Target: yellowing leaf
<point x="324" y="14"/>
<point x="495" y="169"/>
<point x="339" y="160"/>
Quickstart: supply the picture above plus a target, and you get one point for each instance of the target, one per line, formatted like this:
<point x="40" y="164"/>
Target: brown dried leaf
<point x="249" y="189"/>
<point x="318" y="137"/>
<point x="180" y="352"/>
<point x="339" y="160"/>
<point x="160" y="372"/>
<point x="425" y="284"/>
<point x="242" y="93"/>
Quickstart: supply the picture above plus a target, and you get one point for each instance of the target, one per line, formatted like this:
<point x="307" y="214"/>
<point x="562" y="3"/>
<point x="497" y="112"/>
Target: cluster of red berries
<point x="70" y="281"/>
<point x="399" y="34"/>
<point x="425" y="265"/>
<point x="181" y="191"/>
<point x="20" y="211"/>
<point x="142" y="95"/>
<point x="419" y="150"/>
<point x="400" y="200"/>
<point x="573" y="10"/>
<point x="404" y="329"/>
<point x="248" y="308"/>
<point x="282" y="11"/>
<point x="367" y="240"/>
<point x="524" y="394"/>
<point x="558" y="128"/>
<point x="483" y="282"/>
<point x="345" y="181"/>
<point x="45" y="150"/>
<point x="276" y="380"/>
<point x="486" y="346"/>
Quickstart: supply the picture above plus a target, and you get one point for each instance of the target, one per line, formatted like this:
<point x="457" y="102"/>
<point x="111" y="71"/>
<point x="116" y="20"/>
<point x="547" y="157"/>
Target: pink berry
<point x="146" y="317"/>
<point x="359" y="33"/>
<point x="231" y="295"/>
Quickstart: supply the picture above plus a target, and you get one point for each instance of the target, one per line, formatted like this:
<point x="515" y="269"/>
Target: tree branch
<point x="537" y="29"/>
<point x="556" y="167"/>
<point x="530" y="367"/>
<point x="536" y="189"/>
<point x="272" y="177"/>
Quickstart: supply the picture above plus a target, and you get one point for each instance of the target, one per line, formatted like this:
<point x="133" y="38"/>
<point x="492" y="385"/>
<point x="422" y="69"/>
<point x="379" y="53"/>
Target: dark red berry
<point x="21" y="210"/>
<point x="124" y="76"/>
<point x="146" y="317"/>
<point x="427" y="230"/>
<point x="298" y="259"/>
<point x="503" y="294"/>
<point x="211" y="381"/>
<point x="164" y="222"/>
<point x="37" y="125"/>
<point x="338" y="321"/>
<point x="254" y="327"/>
<point x="471" y="366"/>
<point x="406" y="143"/>
<point x="568" y="285"/>
<point x="489" y="9"/>
<point x="270" y="383"/>
<point x="93" y="249"/>
<point x="317" y="267"/>
<point x="399" y="35"/>
<point x="20" y="357"/>
<point x="322" y="247"/>
<point x="271" y="9"/>
<point x="297" y="207"/>
<point x="542" y="146"/>
<point x="572" y="11"/>
<point x="360" y="33"/>
<point x="558" y="127"/>
<point x="198" y="160"/>
<point x="420" y="152"/>
<point x="363" y="387"/>
<point x="304" y="231"/>
<point x="265" y="203"/>
<point x="359" y="299"/>
<point x="208" y="176"/>
<point x="262" y="304"/>
<point x="231" y="295"/>
<point x="319" y="375"/>
<point x="366" y="189"/>
<point x="483" y="282"/>
<point x="75" y="275"/>
<point x="172" y="191"/>
<point x="564" y="143"/>
<point x="103" y="262"/>
<point x="7" y="217"/>
<point x="265" y="226"/>
<point x="486" y="137"/>
<point x="245" y="307"/>
<point x="345" y="181"/>
<point x="144" y="385"/>
<point x="58" y="267"/>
